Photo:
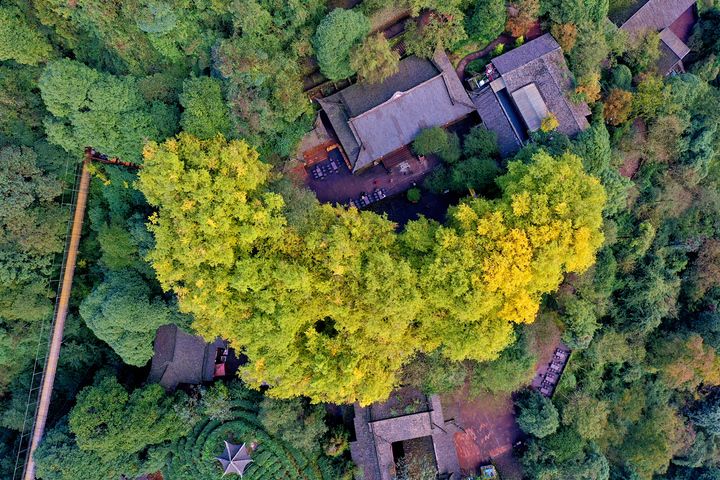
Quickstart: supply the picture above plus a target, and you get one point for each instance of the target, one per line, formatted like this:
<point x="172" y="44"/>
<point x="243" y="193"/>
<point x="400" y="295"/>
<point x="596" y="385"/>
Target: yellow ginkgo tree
<point x="334" y="312"/>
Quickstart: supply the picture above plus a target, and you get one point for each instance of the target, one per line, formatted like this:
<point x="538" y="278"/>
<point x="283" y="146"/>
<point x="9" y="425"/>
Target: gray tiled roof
<point x="674" y="43"/>
<point x="541" y="61"/>
<point x="531" y="106"/>
<point x="361" y="97"/>
<point x="668" y="59"/>
<point x="372" y="450"/>
<point x="495" y="120"/>
<point x="337" y="114"/>
<point x="371" y="121"/>
<point x="397" y="122"/>
<point x="181" y="358"/>
<point x="656" y="15"/>
<point x="525" y="54"/>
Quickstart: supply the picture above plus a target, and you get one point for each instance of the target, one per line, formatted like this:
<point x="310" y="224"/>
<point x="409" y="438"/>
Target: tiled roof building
<point x="182" y="358"/>
<point x="673" y="19"/>
<point x="529" y="83"/>
<point x="372" y="121"/>
<point x="377" y="438"/>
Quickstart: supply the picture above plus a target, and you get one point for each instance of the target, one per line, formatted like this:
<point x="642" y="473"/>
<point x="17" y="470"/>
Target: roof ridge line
<point x="394" y="97"/>
<point x="636" y="12"/>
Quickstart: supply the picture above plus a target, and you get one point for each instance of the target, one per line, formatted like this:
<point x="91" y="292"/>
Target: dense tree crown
<point x="334" y="312"/>
<point x="335" y="37"/>
<point x="20" y="40"/>
<point x="108" y="112"/>
<point x="374" y="60"/>
<point x="120" y="312"/>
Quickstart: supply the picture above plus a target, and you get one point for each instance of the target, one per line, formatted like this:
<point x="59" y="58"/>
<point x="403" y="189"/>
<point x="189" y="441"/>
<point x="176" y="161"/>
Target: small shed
<point x="184" y="358"/>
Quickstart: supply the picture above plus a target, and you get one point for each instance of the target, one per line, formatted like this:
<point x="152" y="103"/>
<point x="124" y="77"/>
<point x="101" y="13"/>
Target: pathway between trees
<point x="460" y="70"/>
<point x="533" y="32"/>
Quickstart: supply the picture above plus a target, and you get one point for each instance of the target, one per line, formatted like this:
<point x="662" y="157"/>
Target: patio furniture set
<point x="324" y="169"/>
<point x="366" y="199"/>
<point x="552" y="375"/>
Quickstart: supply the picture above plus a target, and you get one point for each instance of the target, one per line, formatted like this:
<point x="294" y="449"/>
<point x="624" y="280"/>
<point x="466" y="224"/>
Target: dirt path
<point x="460" y="70"/>
<point x="488" y="431"/>
<point x="534" y="32"/>
<point x="633" y="158"/>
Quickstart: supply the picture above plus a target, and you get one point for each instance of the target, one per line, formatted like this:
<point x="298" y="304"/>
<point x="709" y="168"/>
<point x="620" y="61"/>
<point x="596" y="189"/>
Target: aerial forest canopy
<point x="566" y="295"/>
<point x="334" y="308"/>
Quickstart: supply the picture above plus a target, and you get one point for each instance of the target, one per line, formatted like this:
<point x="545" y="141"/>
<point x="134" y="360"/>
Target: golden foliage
<point x="618" y="106"/>
<point x="549" y="123"/>
<point x="334" y="313"/>
<point x="565" y="34"/>
<point x="522" y="14"/>
<point x="589" y="88"/>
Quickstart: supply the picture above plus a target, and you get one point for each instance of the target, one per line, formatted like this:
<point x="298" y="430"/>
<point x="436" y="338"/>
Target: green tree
<point x="514" y="369"/>
<point x="587" y="415"/>
<point x="706" y="414"/>
<point x="111" y="422"/>
<point x="59" y="458"/>
<point x="621" y="77"/>
<point x="300" y="425"/>
<point x="21" y="108"/>
<point x="442" y="31"/>
<point x="480" y="142"/>
<point x="414" y="195"/>
<point x="118" y="433"/>
<point x="31" y="227"/>
<point x="261" y="68"/>
<point x="590" y="50"/>
<point x="122" y="312"/>
<point x="581" y="322"/>
<point x="572" y="11"/>
<point x="215" y="403"/>
<point x="441" y="6"/>
<point x="335" y="38"/>
<point x="374" y="60"/>
<point x="204" y="111"/>
<point x="650" y="294"/>
<point x="30" y="221"/>
<point x="697" y="104"/>
<point x="652" y="97"/>
<point x="437" y="140"/>
<point x="643" y="52"/>
<point x="434" y="373"/>
<point x="20" y="40"/>
<point x="564" y="455"/>
<point x="537" y="415"/>
<point x="487" y="20"/>
<point x="119" y="249"/>
<point x="90" y="108"/>
<point x="476" y="173"/>
<point x="593" y="146"/>
<point x="653" y="441"/>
